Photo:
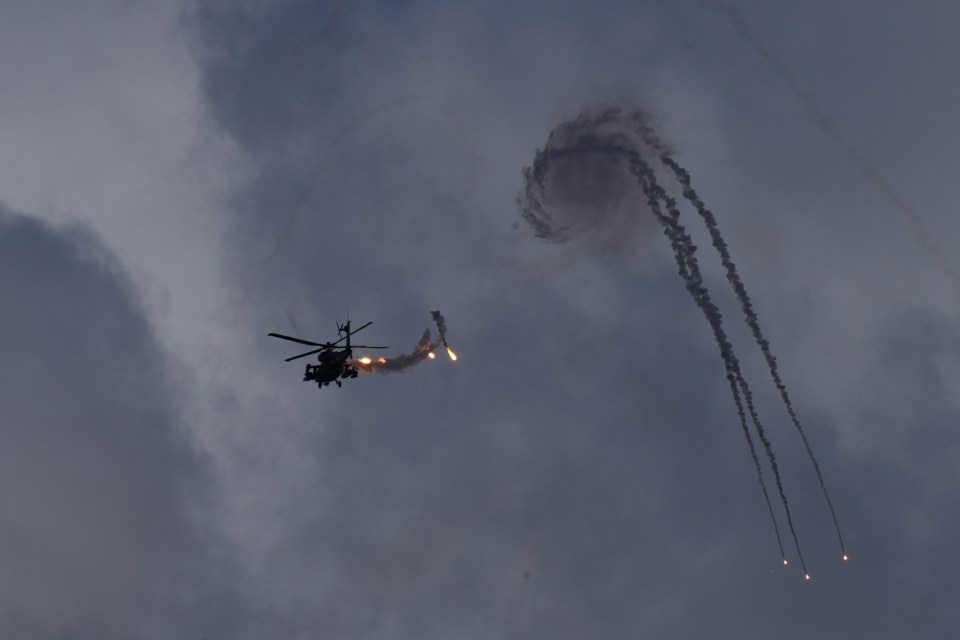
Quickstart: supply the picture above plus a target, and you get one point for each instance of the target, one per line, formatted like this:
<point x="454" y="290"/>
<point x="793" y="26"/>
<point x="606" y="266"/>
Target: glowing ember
<point x="844" y="557"/>
<point x="450" y="353"/>
<point x="382" y="360"/>
<point x="431" y="355"/>
<point x="806" y="576"/>
<point x="785" y="562"/>
<point x="364" y="361"/>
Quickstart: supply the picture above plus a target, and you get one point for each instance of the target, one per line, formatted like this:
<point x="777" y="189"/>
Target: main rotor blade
<point x="351" y="333"/>
<point x="308" y="353"/>
<point x="291" y="339"/>
<point x="361" y="327"/>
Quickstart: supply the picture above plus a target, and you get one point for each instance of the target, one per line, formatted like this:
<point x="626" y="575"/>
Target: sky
<point x="179" y="179"/>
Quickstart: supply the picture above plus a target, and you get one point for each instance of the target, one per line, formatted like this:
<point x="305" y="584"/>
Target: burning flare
<point x="425" y="348"/>
<point x="452" y="355"/>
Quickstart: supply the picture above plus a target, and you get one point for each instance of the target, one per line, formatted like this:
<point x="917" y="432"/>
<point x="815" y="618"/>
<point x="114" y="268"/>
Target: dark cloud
<point x="102" y="494"/>
<point x="579" y="472"/>
<point x="390" y="178"/>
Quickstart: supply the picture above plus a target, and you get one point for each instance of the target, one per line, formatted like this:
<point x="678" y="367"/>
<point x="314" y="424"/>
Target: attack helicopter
<point x="335" y="362"/>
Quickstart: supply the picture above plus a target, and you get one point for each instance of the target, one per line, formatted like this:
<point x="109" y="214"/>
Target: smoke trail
<point x="569" y="189"/>
<point x="746" y="305"/>
<point x="584" y="140"/>
<point x="686" y="261"/>
<point x="750" y="315"/>
<point x="441" y="326"/>
<point x="423" y="350"/>
<point x="684" y="251"/>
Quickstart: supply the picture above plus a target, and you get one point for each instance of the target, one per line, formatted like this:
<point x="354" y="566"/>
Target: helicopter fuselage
<point x="333" y="366"/>
<point x="334" y="362"/>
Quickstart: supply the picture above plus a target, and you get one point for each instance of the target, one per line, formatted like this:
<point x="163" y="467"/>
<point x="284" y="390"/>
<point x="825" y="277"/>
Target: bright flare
<point x="382" y="360"/>
<point x="806" y="576"/>
<point x="452" y="355"/>
<point x="844" y="557"/>
<point x="785" y="562"/>
<point x="431" y="355"/>
<point x="364" y="361"/>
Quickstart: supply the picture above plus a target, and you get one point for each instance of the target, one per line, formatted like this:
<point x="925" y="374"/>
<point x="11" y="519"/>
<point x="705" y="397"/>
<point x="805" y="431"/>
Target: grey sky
<point x="103" y="494"/>
<point x="179" y="180"/>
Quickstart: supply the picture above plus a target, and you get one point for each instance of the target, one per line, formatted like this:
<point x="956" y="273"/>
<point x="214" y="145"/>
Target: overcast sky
<point x="179" y="179"/>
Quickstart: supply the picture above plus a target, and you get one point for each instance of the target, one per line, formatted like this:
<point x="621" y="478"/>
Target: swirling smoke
<point x="601" y="175"/>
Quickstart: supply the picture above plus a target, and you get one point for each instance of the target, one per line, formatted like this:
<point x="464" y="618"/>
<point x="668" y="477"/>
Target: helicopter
<point x="334" y="361"/>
